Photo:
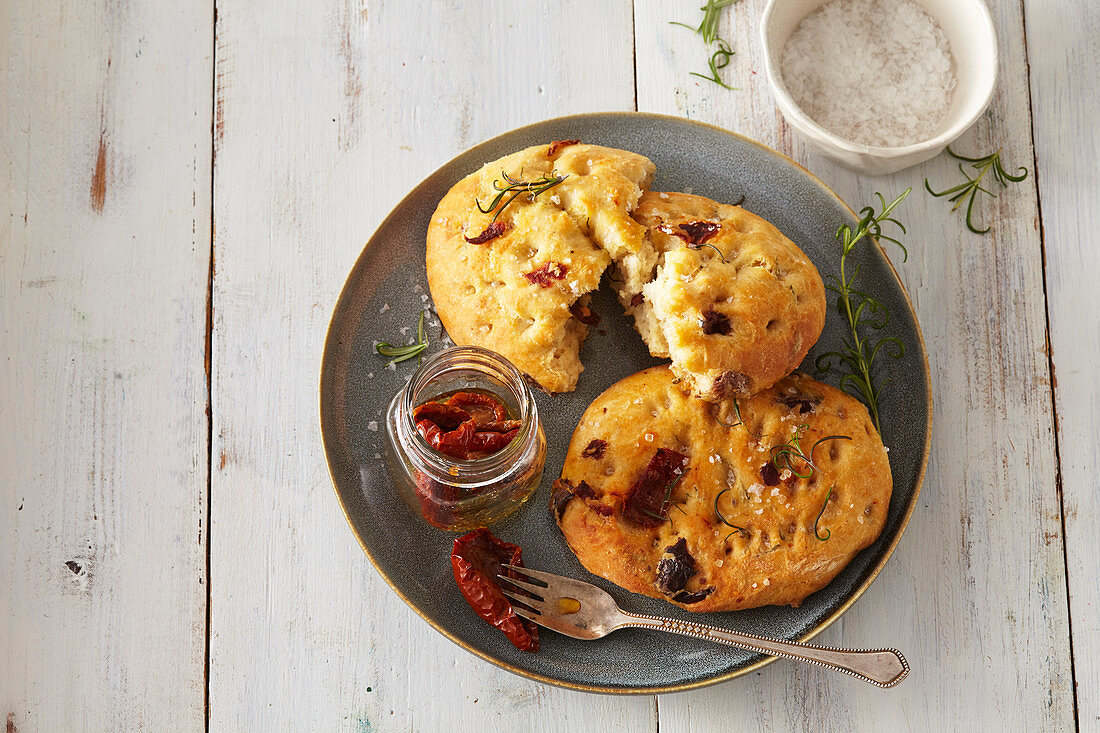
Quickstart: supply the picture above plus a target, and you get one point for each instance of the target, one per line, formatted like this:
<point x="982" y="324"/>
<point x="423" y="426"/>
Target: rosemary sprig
<point x="515" y="186"/>
<point x="736" y="409"/>
<point x="708" y="29"/>
<point x="792" y="449"/>
<point x="720" y="59"/>
<point x="706" y="244"/>
<point x="403" y="353"/>
<point x="740" y="421"/>
<point x="718" y="512"/>
<point x="968" y="191"/>
<point x="863" y="312"/>
<point x="828" y="532"/>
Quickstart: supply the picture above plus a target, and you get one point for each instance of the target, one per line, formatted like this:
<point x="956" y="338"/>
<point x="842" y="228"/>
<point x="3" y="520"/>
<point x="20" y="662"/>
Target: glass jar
<point x="453" y="493"/>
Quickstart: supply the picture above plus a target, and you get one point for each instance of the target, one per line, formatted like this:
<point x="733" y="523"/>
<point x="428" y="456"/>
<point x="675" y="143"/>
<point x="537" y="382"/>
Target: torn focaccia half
<point x="732" y="302"/>
<point x="514" y="248"/>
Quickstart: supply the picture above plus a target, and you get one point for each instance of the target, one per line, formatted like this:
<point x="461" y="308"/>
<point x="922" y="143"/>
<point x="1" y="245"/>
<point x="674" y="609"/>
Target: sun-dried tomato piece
<point x="693" y="233"/>
<point x="561" y="492"/>
<point x="675" y="568"/>
<point x="481" y="407"/>
<point x="456" y="443"/>
<point x="467" y="425"/>
<point x="547" y="273"/>
<point x="587" y="494"/>
<point x="699" y="232"/>
<point x="585" y="315"/>
<point x="585" y="491"/>
<point x="436" y="500"/>
<point x="647" y="502"/>
<point x="594" y="449"/>
<point x="494" y="230"/>
<point x="769" y="474"/>
<point x="687" y="597"/>
<point x="500" y="426"/>
<point x="486" y="443"/>
<point x="637" y="300"/>
<point x="429" y="431"/>
<point x="804" y="402"/>
<point x="715" y="322"/>
<point x="447" y="417"/>
<point x="730" y="383"/>
<point x="477" y="558"/>
<point x="557" y="145"/>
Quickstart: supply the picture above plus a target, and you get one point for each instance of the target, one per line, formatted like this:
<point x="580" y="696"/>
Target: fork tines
<point x="531" y="588"/>
<point x="545" y="578"/>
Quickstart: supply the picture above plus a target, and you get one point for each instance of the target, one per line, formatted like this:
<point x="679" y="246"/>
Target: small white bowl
<point x="969" y="30"/>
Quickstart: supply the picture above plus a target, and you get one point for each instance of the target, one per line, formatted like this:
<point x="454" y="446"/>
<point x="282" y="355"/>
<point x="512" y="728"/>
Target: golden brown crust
<point x="776" y="557"/>
<point x="735" y="311"/>
<point x="491" y="295"/>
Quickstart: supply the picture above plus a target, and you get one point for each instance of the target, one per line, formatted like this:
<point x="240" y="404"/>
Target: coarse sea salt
<point x="876" y="72"/>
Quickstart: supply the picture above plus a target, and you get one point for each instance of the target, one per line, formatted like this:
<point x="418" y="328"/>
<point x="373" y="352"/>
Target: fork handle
<point x="880" y="667"/>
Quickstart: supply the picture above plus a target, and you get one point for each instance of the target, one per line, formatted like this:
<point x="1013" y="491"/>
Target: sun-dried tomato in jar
<point x="477" y="559"/>
<point x="466" y="425"/>
<point x="465" y="439"/>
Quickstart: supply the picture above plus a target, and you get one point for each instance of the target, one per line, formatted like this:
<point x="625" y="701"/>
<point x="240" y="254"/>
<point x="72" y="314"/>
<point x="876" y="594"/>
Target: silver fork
<point x="583" y="611"/>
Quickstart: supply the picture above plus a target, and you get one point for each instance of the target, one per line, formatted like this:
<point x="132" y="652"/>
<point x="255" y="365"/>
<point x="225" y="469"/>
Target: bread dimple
<point x="776" y="554"/>
<point x="734" y="313"/>
<point x="483" y="292"/>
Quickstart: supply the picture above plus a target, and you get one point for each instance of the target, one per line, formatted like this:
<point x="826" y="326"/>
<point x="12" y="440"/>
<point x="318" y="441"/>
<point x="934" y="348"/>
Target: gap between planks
<point x="208" y="357"/>
<point x="1050" y="369"/>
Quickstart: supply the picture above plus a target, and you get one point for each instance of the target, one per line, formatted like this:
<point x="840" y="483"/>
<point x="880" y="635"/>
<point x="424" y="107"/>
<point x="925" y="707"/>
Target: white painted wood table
<point x="184" y="187"/>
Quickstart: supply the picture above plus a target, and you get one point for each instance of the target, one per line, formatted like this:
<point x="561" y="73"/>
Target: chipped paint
<point x="99" y="174"/>
<point x="348" y="32"/>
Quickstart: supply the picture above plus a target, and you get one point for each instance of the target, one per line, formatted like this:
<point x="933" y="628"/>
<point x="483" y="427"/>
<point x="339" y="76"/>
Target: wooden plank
<point x="104" y="258"/>
<point x="327" y="114"/>
<point x="1065" y="67"/>
<point x="975" y="591"/>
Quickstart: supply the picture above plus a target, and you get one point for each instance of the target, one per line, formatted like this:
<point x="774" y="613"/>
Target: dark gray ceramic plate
<point x="414" y="557"/>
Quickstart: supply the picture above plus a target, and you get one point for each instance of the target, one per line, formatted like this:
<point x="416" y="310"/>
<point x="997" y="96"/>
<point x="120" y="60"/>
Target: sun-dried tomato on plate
<point x="477" y="558"/>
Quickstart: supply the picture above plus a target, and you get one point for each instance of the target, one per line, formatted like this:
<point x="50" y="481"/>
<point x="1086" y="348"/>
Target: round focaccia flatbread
<point x="677" y="498"/>
<point x="732" y="302"/>
<point x="516" y="279"/>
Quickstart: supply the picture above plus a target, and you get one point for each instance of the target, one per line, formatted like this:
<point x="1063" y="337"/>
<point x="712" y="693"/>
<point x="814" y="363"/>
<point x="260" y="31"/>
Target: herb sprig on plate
<point x="866" y="316"/>
<point x="399" y="354"/>
<point x="969" y="189"/>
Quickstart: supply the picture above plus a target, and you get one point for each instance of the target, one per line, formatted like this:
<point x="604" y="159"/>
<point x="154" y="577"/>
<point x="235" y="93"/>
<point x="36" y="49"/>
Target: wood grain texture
<point x="104" y="244"/>
<point x="975" y="593"/>
<point x="1064" y="55"/>
<point x="327" y="114"/>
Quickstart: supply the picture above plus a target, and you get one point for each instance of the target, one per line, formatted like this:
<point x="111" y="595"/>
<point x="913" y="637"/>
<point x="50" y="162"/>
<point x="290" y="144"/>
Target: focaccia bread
<point x="677" y="498"/>
<point x="516" y="279"/>
<point x="734" y="303"/>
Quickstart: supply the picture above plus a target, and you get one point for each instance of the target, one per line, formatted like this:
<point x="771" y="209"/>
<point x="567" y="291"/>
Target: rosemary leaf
<point x="399" y="354"/>
<point x="516" y="187"/>
<point x="968" y="190"/>
<point x="828" y="532"/>
<point x="708" y="29"/>
<point x="865" y="314"/>
<point x="718" y="513"/>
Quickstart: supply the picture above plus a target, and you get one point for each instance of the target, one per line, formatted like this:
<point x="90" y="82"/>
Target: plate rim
<point x="328" y="352"/>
